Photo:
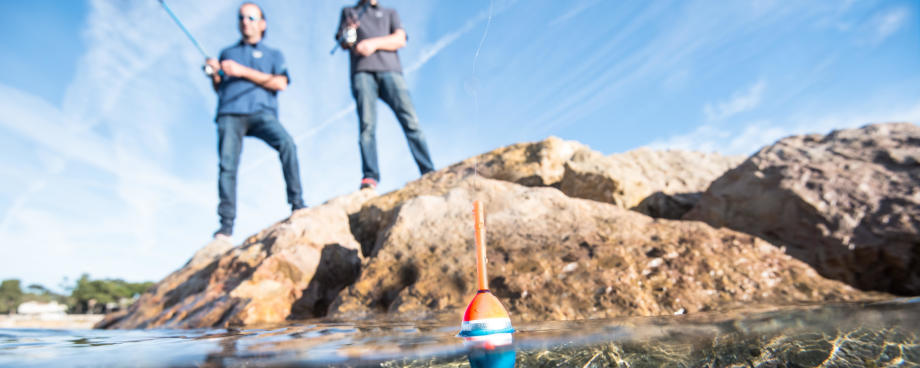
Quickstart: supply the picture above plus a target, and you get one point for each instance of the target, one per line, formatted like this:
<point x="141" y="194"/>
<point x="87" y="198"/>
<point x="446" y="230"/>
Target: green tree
<point x="39" y="293"/>
<point x="10" y="295"/>
<point x="37" y="289"/>
<point x="104" y="291"/>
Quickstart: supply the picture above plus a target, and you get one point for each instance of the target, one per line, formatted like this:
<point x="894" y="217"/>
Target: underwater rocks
<point x="847" y="203"/>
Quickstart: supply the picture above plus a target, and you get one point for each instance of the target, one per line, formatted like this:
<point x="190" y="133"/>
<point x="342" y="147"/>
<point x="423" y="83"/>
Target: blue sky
<point x="108" y="150"/>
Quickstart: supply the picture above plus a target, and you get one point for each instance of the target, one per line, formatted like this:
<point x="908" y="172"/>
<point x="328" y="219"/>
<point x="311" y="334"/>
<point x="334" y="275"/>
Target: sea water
<point x="879" y="334"/>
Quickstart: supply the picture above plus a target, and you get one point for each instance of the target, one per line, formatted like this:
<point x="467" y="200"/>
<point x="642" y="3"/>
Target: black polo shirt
<point x="375" y="21"/>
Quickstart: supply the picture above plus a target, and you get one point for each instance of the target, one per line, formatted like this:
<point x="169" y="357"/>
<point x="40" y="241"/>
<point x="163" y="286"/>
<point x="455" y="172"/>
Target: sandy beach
<point x="64" y="322"/>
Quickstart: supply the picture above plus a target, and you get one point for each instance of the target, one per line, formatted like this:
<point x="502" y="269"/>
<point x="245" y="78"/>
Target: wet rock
<point x="847" y="203"/>
<point x="556" y="257"/>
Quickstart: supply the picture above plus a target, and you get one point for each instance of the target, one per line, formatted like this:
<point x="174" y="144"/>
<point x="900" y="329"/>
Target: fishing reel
<point x="346" y="38"/>
<point x="350" y="36"/>
<point x="209" y="71"/>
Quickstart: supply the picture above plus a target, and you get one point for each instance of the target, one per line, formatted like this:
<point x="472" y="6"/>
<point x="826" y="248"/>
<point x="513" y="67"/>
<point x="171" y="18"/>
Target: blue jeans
<point x="230" y="132"/>
<point x="366" y="87"/>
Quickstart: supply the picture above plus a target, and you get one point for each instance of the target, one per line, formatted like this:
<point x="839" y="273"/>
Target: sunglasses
<point x="252" y="18"/>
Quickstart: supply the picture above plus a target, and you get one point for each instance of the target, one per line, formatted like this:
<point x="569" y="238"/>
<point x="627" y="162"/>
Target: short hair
<point x="260" y="12"/>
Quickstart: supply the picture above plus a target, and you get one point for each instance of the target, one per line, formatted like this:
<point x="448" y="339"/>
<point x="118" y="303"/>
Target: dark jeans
<point x="366" y="87"/>
<point x="230" y="132"/>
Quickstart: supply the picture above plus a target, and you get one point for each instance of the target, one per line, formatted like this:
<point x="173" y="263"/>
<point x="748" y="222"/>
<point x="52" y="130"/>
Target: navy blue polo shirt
<point x="241" y="96"/>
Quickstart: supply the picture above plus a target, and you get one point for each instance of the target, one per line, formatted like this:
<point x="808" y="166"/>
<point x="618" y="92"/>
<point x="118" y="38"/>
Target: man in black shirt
<point x="372" y="34"/>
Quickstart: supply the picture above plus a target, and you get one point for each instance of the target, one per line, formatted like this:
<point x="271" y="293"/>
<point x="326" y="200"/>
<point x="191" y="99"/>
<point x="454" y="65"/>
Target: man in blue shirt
<point x="247" y="79"/>
<point x="373" y="34"/>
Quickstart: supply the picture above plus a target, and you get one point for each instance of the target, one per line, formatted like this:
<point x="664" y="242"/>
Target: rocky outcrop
<point x="847" y="203"/>
<point x="673" y="178"/>
<point x="556" y="257"/>
<point x="532" y="164"/>
<point x="561" y="246"/>
<point x="657" y="183"/>
<point x="296" y="267"/>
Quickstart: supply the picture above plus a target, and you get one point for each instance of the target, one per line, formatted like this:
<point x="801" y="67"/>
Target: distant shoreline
<point x="52" y="321"/>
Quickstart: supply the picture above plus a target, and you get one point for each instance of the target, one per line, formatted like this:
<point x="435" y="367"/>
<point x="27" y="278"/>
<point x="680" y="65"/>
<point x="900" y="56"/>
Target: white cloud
<point x="748" y="138"/>
<point x="573" y="12"/>
<point x="888" y="23"/>
<point x="739" y="102"/>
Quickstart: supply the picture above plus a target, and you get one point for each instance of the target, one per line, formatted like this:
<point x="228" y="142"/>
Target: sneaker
<point x="223" y="233"/>
<point x="368" y="183"/>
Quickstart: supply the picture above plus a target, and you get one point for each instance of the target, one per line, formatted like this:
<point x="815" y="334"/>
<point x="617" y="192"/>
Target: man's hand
<point x="366" y="47"/>
<point x="391" y="42"/>
<point x="213" y="63"/>
<point x="233" y="69"/>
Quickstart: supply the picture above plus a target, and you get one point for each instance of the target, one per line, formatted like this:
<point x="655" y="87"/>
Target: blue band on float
<point x="484" y="332"/>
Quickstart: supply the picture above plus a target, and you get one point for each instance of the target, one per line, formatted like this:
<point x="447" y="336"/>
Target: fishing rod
<point x="207" y="68"/>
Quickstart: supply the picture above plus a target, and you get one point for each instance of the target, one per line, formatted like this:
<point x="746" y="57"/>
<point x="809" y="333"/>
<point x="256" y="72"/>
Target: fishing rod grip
<point x="480" y="227"/>
<point x="208" y="70"/>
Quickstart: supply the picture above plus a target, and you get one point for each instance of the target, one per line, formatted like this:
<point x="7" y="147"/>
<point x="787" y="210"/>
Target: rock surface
<point x="531" y="164"/>
<point x="553" y="254"/>
<point x="556" y="257"/>
<point x="295" y="267"/>
<point x="672" y="177"/>
<point x="847" y="203"/>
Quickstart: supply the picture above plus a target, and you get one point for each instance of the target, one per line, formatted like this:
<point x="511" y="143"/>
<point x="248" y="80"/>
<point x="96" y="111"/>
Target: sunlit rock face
<point x="557" y="249"/>
<point x="296" y="266"/>
<point x="661" y="184"/>
<point x="555" y="257"/>
<point x="847" y="203"/>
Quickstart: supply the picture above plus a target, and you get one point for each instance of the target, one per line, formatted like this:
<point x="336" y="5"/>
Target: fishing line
<point x="475" y="89"/>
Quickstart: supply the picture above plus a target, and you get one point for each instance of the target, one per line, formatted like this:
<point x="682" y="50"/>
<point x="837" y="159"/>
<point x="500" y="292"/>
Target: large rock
<point x="531" y="164"/>
<point x="293" y="269"/>
<point x="556" y="257"/>
<point x="552" y="256"/>
<point x="847" y="203"/>
<point x="657" y="183"/>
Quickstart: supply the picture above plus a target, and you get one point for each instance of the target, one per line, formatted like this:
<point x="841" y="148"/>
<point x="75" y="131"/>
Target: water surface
<point x="841" y="335"/>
